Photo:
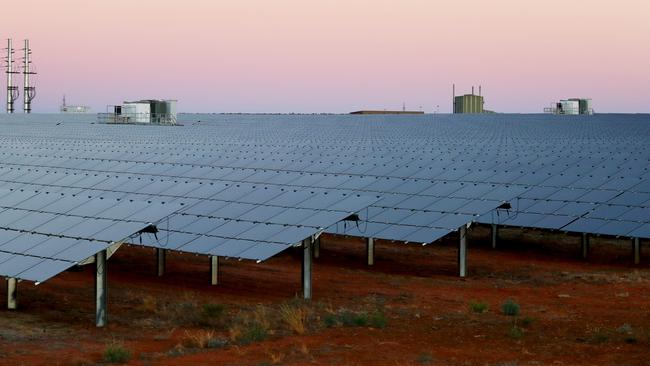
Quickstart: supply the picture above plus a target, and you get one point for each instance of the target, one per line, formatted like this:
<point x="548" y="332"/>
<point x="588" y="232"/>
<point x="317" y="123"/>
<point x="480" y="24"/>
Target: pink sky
<point x="336" y="56"/>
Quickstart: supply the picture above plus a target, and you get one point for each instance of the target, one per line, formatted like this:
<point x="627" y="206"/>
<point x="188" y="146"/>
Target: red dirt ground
<point x="573" y="312"/>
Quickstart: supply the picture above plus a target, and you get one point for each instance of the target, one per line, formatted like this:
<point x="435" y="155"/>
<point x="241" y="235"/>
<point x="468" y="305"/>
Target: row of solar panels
<point x="632" y="175"/>
<point x="406" y="209"/>
<point x="421" y="188"/>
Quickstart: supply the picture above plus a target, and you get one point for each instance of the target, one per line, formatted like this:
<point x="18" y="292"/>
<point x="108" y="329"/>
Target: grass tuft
<point x="203" y="339"/>
<point x="295" y="317"/>
<point x="116" y="353"/>
<point x="479" y="307"/>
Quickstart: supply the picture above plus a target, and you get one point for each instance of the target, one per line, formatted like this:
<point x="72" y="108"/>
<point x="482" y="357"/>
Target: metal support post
<point x="495" y="235"/>
<point x="214" y="270"/>
<point x="12" y="293"/>
<point x="370" y="251"/>
<point x="306" y="268"/>
<point x="462" y="252"/>
<point x="161" y="259"/>
<point x="101" y="289"/>
<point x="637" y="250"/>
<point x="585" y="245"/>
<point x="317" y="248"/>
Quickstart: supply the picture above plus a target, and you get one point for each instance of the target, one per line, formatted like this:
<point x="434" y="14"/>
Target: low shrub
<point x="510" y="308"/>
<point x="116" y="353"/>
<point x="213" y="311"/>
<point x="479" y="307"/>
<point x="254" y="333"/>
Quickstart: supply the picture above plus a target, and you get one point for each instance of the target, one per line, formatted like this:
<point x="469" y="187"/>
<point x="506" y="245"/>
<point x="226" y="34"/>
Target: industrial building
<point x="147" y="111"/>
<point x="468" y="103"/>
<point x="571" y="106"/>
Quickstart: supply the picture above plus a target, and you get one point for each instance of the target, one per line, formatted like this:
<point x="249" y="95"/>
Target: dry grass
<point x="294" y="317"/>
<point x="198" y="339"/>
<point x="149" y="304"/>
<point x="276" y="358"/>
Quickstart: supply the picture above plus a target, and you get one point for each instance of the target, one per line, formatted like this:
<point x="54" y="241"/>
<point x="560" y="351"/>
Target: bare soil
<point x="417" y="310"/>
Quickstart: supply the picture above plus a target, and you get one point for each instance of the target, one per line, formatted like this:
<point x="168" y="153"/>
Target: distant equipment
<point x="65" y="108"/>
<point x="403" y="111"/>
<point x="468" y="103"/>
<point x="12" y="90"/>
<point x="571" y="106"/>
<point x="29" y="90"/>
<point x="149" y="112"/>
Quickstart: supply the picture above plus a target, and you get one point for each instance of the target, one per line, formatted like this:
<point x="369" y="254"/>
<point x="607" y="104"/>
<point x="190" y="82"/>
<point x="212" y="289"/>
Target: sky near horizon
<point x="335" y="56"/>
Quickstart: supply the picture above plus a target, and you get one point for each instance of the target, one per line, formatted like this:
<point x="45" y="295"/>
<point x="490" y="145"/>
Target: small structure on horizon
<point x="571" y="106"/>
<point x="65" y="108"/>
<point x="386" y="112"/>
<point x="147" y="111"/>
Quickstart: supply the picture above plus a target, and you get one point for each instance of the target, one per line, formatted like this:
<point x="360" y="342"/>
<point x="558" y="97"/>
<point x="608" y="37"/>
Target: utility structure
<point x="12" y="90"/>
<point x="572" y="106"/>
<point x="29" y="91"/>
<point x="468" y="103"/>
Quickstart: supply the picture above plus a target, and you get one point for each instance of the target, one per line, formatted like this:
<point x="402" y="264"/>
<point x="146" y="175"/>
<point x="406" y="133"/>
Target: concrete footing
<point x="494" y="234"/>
<point x="12" y="293"/>
<point x="370" y="251"/>
<point x="214" y="270"/>
<point x="584" y="246"/>
<point x="462" y="251"/>
<point x="161" y="260"/>
<point x="101" y="288"/>
<point x="306" y="268"/>
<point x="636" y="244"/>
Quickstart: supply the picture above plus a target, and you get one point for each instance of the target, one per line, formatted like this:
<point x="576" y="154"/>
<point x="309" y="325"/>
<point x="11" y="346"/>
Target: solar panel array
<point x="251" y="186"/>
<point x="46" y="232"/>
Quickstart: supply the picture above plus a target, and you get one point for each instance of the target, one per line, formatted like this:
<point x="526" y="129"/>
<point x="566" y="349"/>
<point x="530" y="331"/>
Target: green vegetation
<point x="116" y="353"/>
<point x="254" y="333"/>
<point x="376" y="319"/>
<point x="479" y="307"/>
<point x="510" y="308"/>
<point x="213" y="310"/>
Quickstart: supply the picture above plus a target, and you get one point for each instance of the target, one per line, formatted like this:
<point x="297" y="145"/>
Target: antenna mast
<point x="29" y="91"/>
<point x="12" y="91"/>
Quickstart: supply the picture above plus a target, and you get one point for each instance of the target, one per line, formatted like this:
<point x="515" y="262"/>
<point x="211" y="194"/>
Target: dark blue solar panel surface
<point x="252" y="185"/>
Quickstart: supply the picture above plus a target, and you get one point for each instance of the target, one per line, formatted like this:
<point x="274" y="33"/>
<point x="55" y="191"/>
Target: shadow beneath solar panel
<point x="558" y="245"/>
<point x="397" y="258"/>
